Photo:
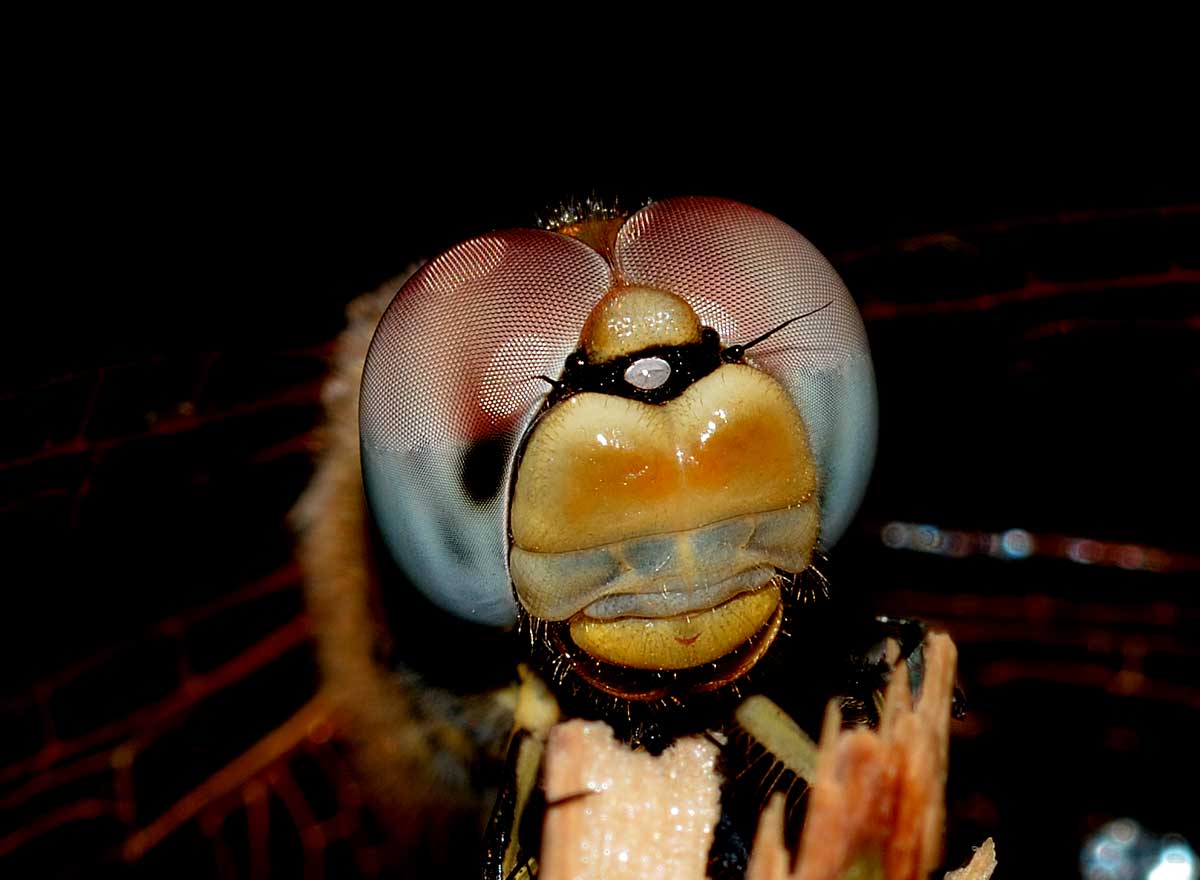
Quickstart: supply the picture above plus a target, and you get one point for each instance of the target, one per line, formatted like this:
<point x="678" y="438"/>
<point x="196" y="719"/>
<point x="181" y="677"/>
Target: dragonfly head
<point x="630" y="435"/>
<point x="661" y="492"/>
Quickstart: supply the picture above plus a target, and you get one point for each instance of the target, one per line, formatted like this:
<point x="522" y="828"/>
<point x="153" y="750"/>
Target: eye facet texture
<point x="454" y="363"/>
<point x="457" y="356"/>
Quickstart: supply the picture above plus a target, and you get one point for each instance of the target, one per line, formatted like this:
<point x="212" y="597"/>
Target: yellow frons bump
<point x="629" y="319"/>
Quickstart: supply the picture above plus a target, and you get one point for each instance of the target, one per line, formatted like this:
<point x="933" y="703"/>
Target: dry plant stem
<point x="981" y="865"/>
<point x="615" y="812"/>
<point x="877" y="807"/>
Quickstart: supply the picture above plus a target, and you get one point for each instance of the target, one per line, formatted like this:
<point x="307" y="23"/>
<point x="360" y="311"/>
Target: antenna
<point x="736" y="352"/>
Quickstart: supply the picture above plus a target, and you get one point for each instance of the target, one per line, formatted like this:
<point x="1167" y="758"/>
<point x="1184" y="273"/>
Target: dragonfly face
<point x="676" y="532"/>
<point x="567" y="428"/>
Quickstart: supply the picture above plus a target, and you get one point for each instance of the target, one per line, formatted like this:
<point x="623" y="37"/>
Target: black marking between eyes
<point x="689" y="363"/>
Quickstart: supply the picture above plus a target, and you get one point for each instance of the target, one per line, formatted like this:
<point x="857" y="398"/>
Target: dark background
<point x="1031" y="300"/>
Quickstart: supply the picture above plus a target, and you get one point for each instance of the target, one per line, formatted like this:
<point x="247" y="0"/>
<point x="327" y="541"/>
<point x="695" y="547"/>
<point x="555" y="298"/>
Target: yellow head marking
<point x="630" y="319"/>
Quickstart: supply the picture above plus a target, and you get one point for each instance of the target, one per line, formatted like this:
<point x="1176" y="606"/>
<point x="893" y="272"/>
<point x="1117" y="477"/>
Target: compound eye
<point x="449" y="387"/>
<point x="648" y="373"/>
<point x="744" y="273"/>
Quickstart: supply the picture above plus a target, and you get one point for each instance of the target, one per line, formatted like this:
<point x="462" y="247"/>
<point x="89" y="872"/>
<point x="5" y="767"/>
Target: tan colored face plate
<point x="630" y="319"/>
<point x="666" y="575"/>
<point x="676" y="642"/>
<point x="600" y="469"/>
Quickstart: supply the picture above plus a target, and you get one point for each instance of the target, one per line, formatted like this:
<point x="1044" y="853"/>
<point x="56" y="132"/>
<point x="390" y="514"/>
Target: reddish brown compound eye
<point x="648" y="455"/>
<point x="452" y="370"/>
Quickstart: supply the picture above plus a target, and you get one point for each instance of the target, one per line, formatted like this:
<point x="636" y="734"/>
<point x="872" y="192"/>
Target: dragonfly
<point x="663" y="497"/>
<point x="322" y="773"/>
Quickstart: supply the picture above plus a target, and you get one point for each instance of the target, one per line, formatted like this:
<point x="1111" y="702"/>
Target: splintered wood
<point x="614" y="812"/>
<point x="981" y="865"/>
<point x="877" y="807"/>
<point x="876" y="810"/>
